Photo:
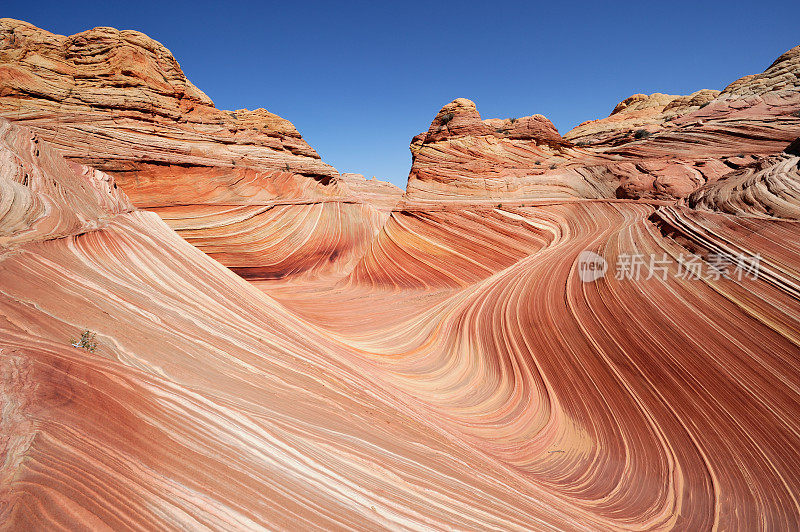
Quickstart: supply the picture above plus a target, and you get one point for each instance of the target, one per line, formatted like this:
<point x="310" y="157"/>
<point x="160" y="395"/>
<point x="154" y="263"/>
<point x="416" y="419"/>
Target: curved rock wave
<point x="42" y="196"/>
<point x="283" y="241"/>
<point x="430" y="365"/>
<point x="769" y="187"/>
<point x="119" y="102"/>
<point x="664" y="402"/>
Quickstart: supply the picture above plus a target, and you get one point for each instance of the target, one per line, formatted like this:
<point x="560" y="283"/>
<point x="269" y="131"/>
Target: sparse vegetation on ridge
<point x="87" y="341"/>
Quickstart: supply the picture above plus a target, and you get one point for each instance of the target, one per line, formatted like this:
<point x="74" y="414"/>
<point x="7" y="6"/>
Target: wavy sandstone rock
<point x="767" y="187"/>
<point x="512" y="396"/>
<point x="205" y="404"/>
<point x="462" y="157"/>
<point x="42" y="196"/>
<point x="592" y="389"/>
<point x="119" y="102"/>
<point x="691" y="141"/>
<point x="433" y="364"/>
<point x="639" y="112"/>
<point x="654" y="147"/>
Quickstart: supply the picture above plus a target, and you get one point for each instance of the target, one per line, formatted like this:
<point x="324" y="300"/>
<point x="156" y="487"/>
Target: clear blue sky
<point x="359" y="79"/>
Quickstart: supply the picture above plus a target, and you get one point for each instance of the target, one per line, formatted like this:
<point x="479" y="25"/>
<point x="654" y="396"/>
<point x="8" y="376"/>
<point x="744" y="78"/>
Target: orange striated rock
<point x="768" y="187"/>
<point x="373" y="191"/>
<point x="460" y="376"/>
<point x="436" y="363"/>
<point x="42" y="196"/>
<point x="119" y="102"/>
<point x="659" y="146"/>
<point x="639" y="112"/>
<point x="462" y="157"/>
<point x="690" y="141"/>
<point x="205" y="403"/>
<point x="562" y="380"/>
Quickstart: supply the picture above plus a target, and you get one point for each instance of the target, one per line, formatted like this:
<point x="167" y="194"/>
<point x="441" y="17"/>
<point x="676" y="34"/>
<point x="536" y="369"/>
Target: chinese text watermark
<point x="637" y="266"/>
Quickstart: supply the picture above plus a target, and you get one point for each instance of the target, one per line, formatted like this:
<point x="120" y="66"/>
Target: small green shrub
<point x="87" y="341"/>
<point x="641" y="134"/>
<point x="446" y="118"/>
<point x="796" y="113"/>
<point x="553" y="166"/>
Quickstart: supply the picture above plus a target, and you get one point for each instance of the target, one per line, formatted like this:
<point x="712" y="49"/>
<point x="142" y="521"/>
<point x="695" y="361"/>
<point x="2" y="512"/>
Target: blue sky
<point x="359" y="79"/>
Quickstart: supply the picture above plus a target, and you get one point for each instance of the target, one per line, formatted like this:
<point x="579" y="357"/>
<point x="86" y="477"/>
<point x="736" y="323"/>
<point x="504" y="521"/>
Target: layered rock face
<point x="438" y="363"/>
<point x="686" y="146"/>
<point x="653" y="147"/>
<point x="357" y="188"/>
<point x="119" y="102"/>
<point x="462" y="157"/>
<point x="205" y="404"/>
<point x="447" y="382"/>
<point x="638" y="112"/>
<point x="769" y="187"/>
<point x="42" y="196"/>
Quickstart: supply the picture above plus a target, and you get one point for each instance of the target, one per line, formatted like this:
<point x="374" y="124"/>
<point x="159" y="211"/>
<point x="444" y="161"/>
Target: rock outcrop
<point x="696" y="139"/>
<point x="119" y="102"/>
<point x="441" y="363"/>
<point x="657" y="147"/>
<point x="640" y="114"/>
<point x="462" y="157"/>
<point x="355" y="187"/>
<point x="462" y="367"/>
<point x="767" y="187"/>
<point x="202" y="403"/>
<point x="42" y="196"/>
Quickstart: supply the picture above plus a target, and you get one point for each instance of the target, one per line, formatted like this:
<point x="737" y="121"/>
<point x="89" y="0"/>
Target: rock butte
<point x="424" y="362"/>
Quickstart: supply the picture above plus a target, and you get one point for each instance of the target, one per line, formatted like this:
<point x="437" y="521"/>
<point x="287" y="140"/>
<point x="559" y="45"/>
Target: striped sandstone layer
<point x="430" y="364"/>
<point x="431" y="388"/>
<point x="659" y="146"/>
<point x="119" y="102"/>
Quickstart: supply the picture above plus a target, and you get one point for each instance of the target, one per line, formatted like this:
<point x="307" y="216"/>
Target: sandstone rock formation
<point x="687" y="146"/>
<point x="446" y="382"/>
<point x="437" y="363"/>
<point x="654" y="147"/>
<point x="119" y="102"/>
<point x="355" y="187"/>
<point x="767" y="187"/>
<point x="640" y="112"/>
<point x="42" y="196"/>
<point x="205" y="404"/>
<point x="462" y="157"/>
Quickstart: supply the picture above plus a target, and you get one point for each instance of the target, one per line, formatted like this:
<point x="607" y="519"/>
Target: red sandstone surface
<point x="652" y="147"/>
<point x="119" y="102"/>
<point x="303" y="349"/>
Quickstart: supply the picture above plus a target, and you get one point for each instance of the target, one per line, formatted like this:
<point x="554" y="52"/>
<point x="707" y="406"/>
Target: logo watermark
<point x="637" y="266"/>
<point x="591" y="266"/>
